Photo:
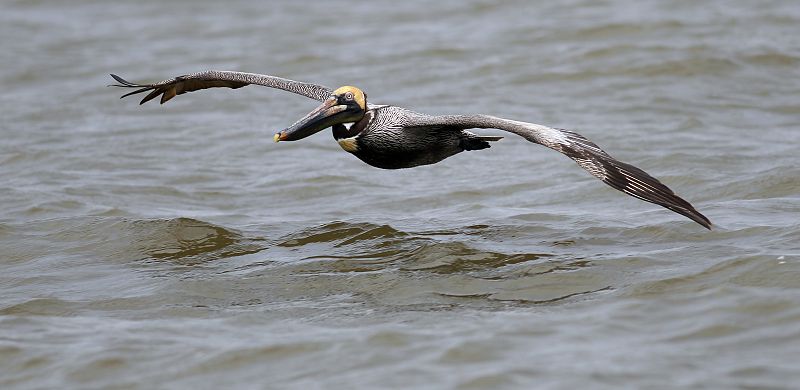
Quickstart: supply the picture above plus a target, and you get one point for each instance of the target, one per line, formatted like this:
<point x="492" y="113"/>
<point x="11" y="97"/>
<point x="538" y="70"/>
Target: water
<point x="176" y="246"/>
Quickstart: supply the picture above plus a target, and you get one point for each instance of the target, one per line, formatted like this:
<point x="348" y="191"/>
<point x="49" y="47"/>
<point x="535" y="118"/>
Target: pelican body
<point x="392" y="137"/>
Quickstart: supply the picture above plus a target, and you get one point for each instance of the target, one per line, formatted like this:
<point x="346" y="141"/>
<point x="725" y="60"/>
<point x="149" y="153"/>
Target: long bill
<point x="321" y="118"/>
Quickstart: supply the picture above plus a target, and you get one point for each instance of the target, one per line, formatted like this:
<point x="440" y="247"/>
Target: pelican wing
<point x="215" y="78"/>
<point x="617" y="174"/>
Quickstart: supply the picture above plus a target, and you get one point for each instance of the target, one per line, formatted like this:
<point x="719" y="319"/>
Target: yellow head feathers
<point x="358" y="95"/>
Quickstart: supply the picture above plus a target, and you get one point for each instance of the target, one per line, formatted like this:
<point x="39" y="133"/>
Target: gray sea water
<point x="177" y="246"/>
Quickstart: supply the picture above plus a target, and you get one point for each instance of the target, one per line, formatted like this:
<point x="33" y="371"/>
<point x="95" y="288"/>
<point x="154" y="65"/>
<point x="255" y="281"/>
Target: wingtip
<point x="688" y="211"/>
<point x="113" y="76"/>
<point x="701" y="219"/>
<point x="119" y="79"/>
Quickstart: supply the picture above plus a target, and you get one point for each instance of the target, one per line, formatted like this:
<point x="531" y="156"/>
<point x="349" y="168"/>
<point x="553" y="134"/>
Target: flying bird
<point x="392" y="137"/>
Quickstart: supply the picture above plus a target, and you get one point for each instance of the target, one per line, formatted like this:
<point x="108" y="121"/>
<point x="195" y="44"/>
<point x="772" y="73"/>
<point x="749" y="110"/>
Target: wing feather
<point x="617" y="174"/>
<point x="170" y="88"/>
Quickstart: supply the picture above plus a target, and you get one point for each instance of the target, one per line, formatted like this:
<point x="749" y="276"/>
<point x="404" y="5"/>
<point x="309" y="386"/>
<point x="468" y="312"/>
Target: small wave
<point x="189" y="241"/>
<point x="41" y="306"/>
<point x="343" y="233"/>
<point x="777" y="182"/>
<point x="459" y="257"/>
<point x="425" y="268"/>
<point x="770" y="59"/>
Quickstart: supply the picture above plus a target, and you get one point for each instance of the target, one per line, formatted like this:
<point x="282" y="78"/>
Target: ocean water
<point x="177" y="246"/>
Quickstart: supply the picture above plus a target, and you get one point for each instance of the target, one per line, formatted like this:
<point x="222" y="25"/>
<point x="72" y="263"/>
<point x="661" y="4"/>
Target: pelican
<point x="392" y="137"/>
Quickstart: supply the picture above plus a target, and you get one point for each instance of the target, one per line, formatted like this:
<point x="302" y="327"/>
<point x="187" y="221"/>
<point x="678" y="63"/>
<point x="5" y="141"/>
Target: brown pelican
<point x="391" y="137"/>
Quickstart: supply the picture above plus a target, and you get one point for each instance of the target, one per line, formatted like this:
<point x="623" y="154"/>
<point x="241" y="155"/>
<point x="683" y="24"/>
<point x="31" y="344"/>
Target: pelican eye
<point x="348" y="96"/>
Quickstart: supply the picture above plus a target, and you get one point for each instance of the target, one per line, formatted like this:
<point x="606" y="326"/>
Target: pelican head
<point x="346" y="105"/>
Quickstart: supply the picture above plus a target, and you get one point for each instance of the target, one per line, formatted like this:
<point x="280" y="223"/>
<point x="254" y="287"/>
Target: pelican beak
<point x="321" y="118"/>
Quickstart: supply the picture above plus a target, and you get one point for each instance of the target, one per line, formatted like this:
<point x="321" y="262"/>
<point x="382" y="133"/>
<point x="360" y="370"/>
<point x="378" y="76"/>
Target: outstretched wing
<point x="617" y="174"/>
<point x="216" y="78"/>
